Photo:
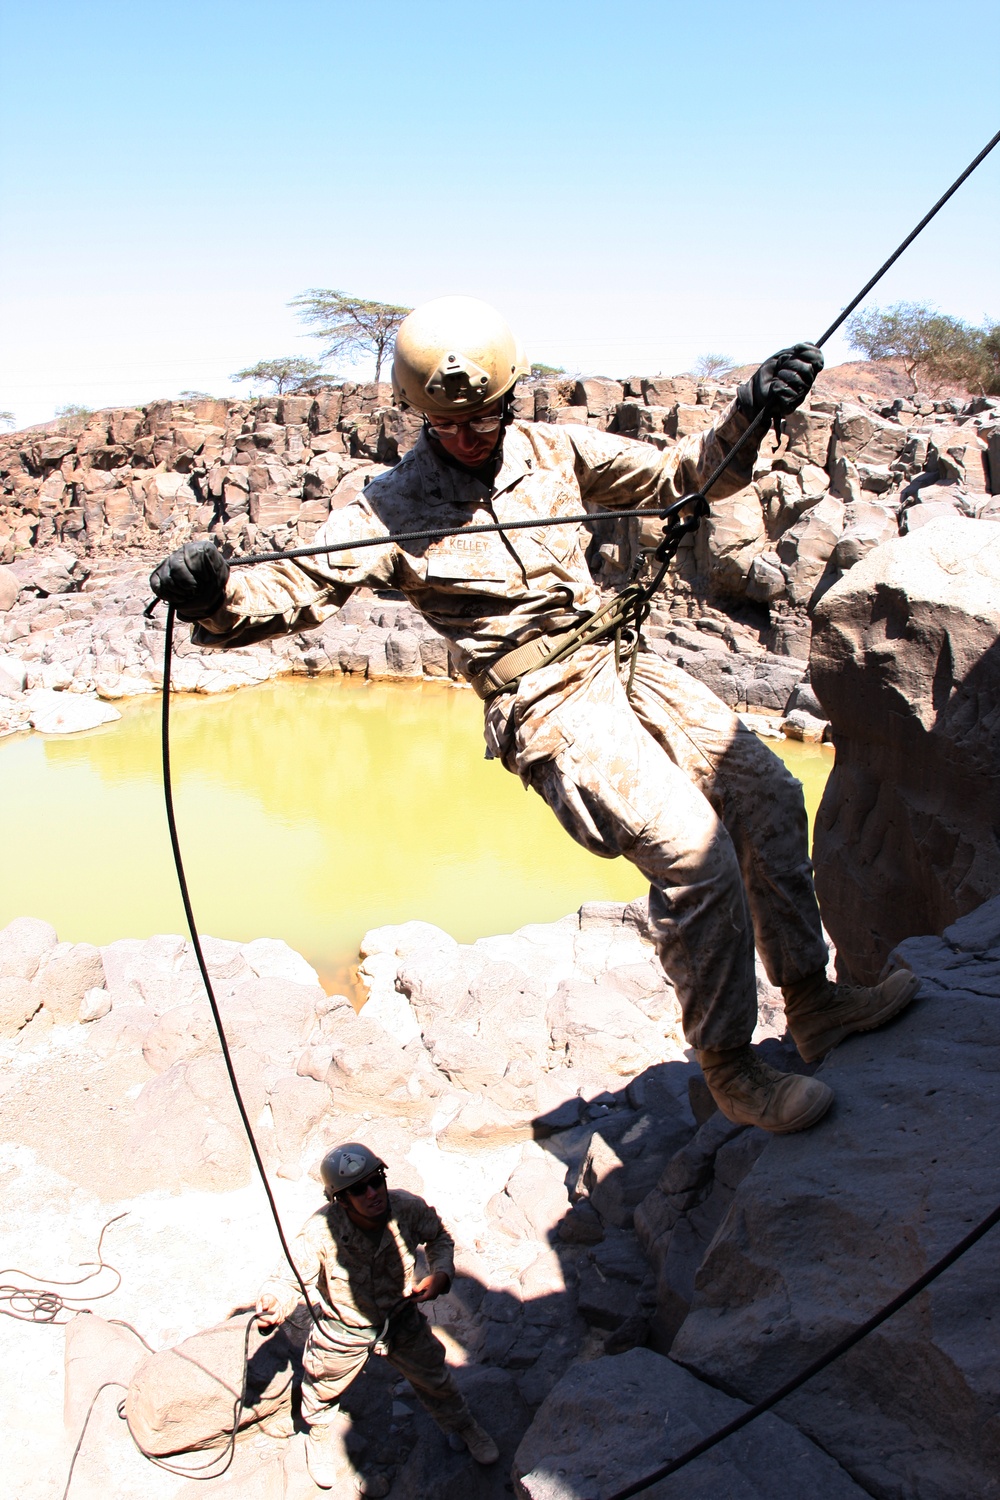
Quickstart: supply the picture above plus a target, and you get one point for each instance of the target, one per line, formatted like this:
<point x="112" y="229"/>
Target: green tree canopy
<point x="73" y="413"/>
<point x="539" y="371"/>
<point x="281" y="374"/>
<point x="350" y="327"/>
<point x="935" y="345"/>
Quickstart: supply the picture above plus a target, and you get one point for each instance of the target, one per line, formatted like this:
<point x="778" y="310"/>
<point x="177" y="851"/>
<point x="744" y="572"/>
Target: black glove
<point x="193" y="579"/>
<point x="782" y="383"/>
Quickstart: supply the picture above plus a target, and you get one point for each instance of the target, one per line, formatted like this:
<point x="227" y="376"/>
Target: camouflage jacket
<point x="486" y="593"/>
<point x="359" y="1281"/>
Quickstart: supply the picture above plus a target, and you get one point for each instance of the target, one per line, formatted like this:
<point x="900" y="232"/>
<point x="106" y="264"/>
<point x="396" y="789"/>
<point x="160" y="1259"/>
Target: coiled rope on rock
<point x="683" y="517"/>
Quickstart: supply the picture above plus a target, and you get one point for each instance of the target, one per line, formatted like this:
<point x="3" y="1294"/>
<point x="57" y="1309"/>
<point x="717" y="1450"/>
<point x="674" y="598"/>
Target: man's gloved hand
<point x="193" y="579"/>
<point x="782" y="383"/>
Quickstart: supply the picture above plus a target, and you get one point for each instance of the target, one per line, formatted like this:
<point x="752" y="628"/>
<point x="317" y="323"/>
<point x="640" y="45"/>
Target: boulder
<point x="67" y="972"/>
<point x="906" y="664"/>
<point x="24" y="944"/>
<point x="832" y="1224"/>
<point x="729" y="540"/>
<point x="186" y="1398"/>
<point x="806" y="548"/>
<point x="67" y="713"/>
<point x="534" y="1198"/>
<point x="10" y="587"/>
<point x="676" y="1221"/>
<point x="609" y="1422"/>
<point x="18" y="1003"/>
<point x="619" y="1173"/>
<point x="865" y="526"/>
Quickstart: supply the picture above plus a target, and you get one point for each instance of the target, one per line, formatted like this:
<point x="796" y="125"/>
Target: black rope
<point x="168" y="797"/>
<point x="790" y="1386"/>
<point x="910" y="238"/>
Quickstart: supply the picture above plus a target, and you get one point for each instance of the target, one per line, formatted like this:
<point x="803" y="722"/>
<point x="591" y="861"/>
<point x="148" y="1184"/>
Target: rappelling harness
<point x="621" y="619"/>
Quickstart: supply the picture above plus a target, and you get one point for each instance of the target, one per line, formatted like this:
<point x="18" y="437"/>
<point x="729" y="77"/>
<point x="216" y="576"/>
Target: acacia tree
<point x="939" y="346"/>
<point x="710" y="365"/>
<point x="280" y="374"/>
<point x="350" y="326"/>
<point x="6" y="419"/>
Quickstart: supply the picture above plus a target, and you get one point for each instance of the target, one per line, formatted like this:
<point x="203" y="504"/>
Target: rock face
<point x="906" y="663"/>
<point x="186" y="1398"/>
<point x="608" y="1424"/>
<point x="829" y="1226"/>
<point x="81" y="502"/>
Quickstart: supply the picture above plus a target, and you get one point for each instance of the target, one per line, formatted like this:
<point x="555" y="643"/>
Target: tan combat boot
<point x="478" y="1441"/>
<point x="749" y="1092"/>
<point x="325" y="1456"/>
<point x="821" y="1014"/>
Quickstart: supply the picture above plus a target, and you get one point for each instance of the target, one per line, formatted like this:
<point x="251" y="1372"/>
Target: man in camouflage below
<point x="359" y="1253"/>
<point x="669" y="777"/>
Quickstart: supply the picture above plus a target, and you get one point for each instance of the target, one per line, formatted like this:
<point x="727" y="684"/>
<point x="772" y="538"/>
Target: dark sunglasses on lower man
<point x="359" y="1189"/>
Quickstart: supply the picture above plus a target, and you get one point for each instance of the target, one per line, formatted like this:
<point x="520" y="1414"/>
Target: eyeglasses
<point x="480" y="425"/>
<point x="359" y="1189"/>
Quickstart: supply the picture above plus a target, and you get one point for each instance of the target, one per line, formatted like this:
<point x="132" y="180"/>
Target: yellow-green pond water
<point x="309" y="810"/>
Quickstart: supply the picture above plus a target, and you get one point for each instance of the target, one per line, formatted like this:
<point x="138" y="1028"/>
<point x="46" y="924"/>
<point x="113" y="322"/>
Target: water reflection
<point x="308" y="810"/>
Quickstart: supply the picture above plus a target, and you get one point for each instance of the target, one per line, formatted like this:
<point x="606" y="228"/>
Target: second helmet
<point x="347" y="1164"/>
<point x="453" y="355"/>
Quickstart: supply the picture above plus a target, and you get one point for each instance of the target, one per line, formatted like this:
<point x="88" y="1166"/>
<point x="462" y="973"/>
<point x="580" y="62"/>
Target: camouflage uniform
<point x="358" y="1284"/>
<point x="670" y="780"/>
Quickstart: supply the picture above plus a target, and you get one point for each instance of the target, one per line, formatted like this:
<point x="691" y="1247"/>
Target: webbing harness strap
<point x="621" y="617"/>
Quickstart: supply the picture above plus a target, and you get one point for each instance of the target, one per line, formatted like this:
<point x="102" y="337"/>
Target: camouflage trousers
<point x="334" y="1357"/>
<point x="674" y="781"/>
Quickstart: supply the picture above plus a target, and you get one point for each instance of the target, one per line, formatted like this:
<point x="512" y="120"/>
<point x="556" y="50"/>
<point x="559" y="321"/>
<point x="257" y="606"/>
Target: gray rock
<point x="675" y="1223"/>
<point x="832" y="1224"/>
<point x="24" y="943"/>
<point x="611" y="1421"/>
<point x="434" y="1471"/>
<point x="906" y="663"/>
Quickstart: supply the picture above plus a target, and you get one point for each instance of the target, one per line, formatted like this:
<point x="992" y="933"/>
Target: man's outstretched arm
<point x="617" y="471"/>
<point x="234" y="607"/>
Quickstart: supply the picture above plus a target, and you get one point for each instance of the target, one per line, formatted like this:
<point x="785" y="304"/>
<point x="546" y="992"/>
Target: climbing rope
<point x="168" y="797"/>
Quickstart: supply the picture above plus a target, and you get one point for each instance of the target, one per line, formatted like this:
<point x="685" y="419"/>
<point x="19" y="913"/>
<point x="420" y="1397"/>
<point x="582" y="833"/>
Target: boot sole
<point x="820" y="1046"/>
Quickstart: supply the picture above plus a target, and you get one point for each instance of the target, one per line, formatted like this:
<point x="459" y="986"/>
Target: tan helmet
<point x="454" y="354"/>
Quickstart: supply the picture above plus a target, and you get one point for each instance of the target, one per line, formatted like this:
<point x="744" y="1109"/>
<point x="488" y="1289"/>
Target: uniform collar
<point x="347" y="1232"/>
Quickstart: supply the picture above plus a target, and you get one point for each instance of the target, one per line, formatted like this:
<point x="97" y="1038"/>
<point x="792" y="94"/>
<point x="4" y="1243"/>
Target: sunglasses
<point x="480" y="425"/>
<point x="359" y="1189"/>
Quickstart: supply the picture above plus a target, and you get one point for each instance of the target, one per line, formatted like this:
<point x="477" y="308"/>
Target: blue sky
<point x="633" y="186"/>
